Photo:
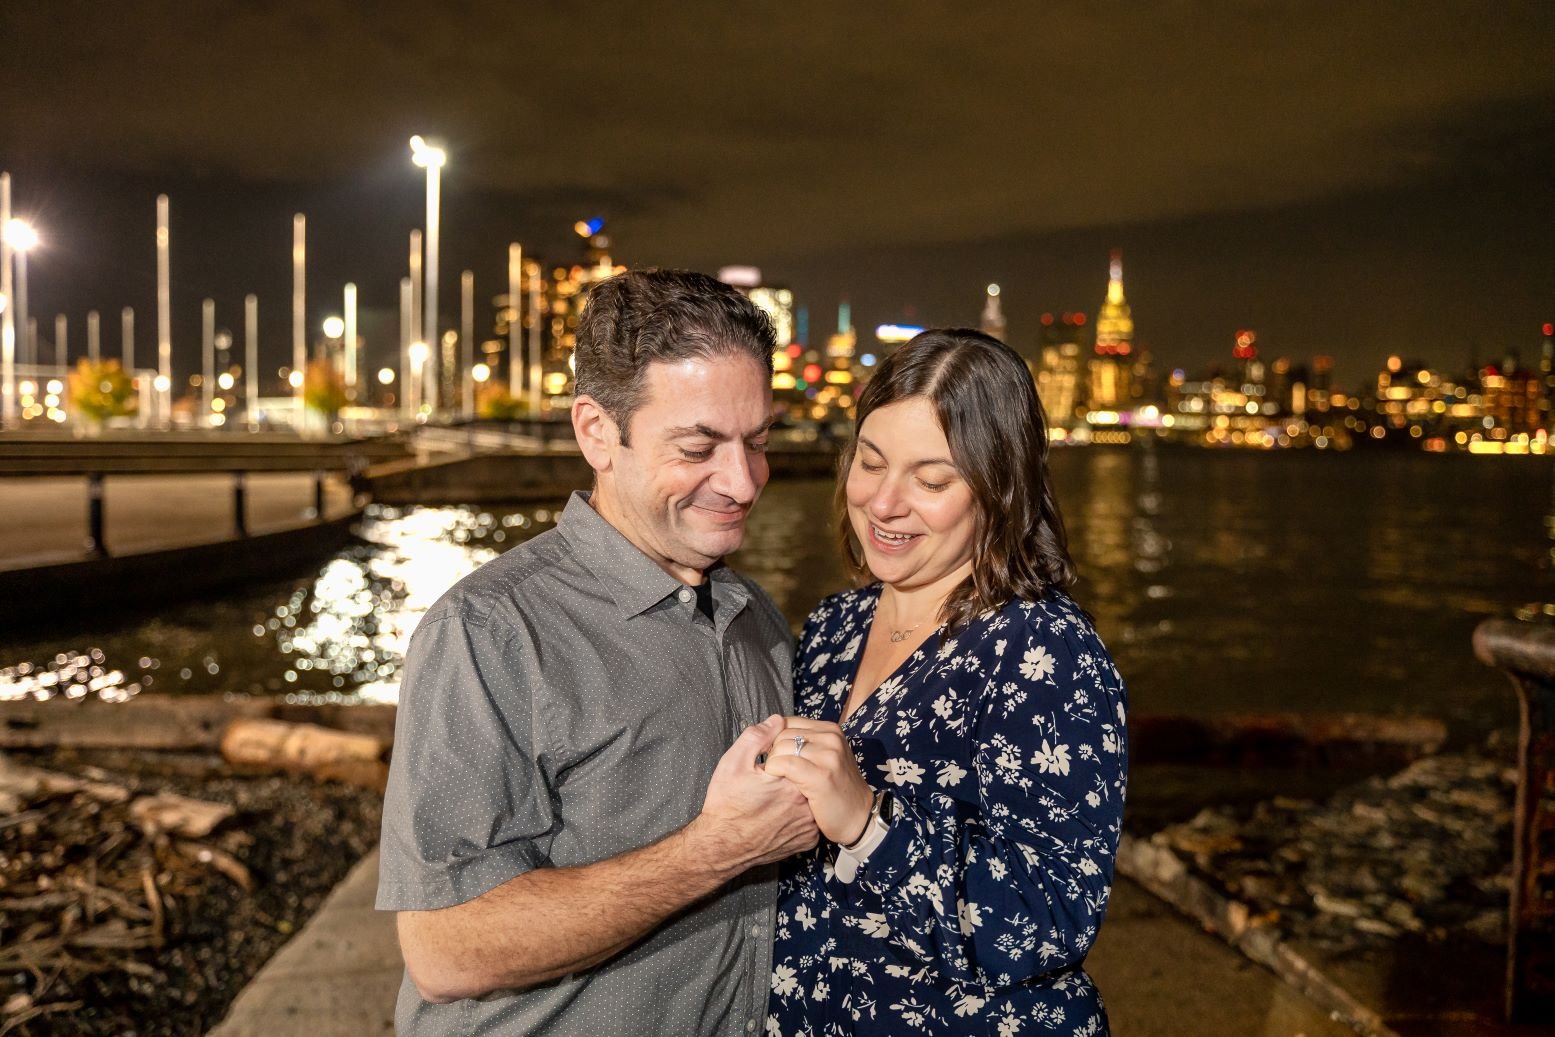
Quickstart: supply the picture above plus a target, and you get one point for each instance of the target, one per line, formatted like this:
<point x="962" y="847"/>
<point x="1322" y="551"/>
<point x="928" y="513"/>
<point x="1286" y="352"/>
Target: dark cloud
<point x="817" y="138"/>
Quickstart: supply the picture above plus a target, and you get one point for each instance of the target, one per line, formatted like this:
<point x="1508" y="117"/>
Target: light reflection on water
<point x="1222" y="581"/>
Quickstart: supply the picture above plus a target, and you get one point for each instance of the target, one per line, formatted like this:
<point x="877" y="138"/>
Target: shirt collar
<point x="633" y="580"/>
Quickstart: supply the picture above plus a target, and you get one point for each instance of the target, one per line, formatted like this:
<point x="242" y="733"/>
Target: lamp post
<point x="349" y="330"/>
<point x="164" y="380"/>
<point x="207" y="360"/>
<point x="407" y="335"/>
<point x="93" y="336"/>
<point x="418" y="358"/>
<point x="8" y="316"/>
<point x="467" y="334"/>
<point x="515" y="287"/>
<point x="61" y="340"/>
<point x="410" y="330"/>
<point x="299" y="312"/>
<point x="432" y="159"/>
<point x="21" y="238"/>
<point x="251" y="360"/>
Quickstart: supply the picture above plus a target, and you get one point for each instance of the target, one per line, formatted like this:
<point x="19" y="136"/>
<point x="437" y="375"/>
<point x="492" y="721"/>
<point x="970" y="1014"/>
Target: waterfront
<point x="1222" y="581"/>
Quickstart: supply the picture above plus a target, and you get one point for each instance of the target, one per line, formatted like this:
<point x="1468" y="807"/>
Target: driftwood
<point x="168" y="722"/>
<point x="355" y="759"/>
<point x="92" y="878"/>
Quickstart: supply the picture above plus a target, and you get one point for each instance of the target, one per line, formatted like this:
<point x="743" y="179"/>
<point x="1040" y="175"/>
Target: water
<point x="1221" y="580"/>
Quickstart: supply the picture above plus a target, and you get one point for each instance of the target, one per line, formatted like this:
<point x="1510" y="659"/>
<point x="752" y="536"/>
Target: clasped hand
<point x="823" y="768"/>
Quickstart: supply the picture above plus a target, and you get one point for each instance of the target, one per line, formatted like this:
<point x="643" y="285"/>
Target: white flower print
<point x="1038" y="664"/>
<point x="1006" y="751"/>
<point x="969" y="1004"/>
<point x="819" y="662"/>
<point x="970" y="916"/>
<point x="783" y="981"/>
<point x="902" y="772"/>
<point x="1052" y="760"/>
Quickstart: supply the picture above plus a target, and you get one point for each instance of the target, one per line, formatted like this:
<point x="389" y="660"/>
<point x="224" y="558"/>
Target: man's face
<point x="696" y="463"/>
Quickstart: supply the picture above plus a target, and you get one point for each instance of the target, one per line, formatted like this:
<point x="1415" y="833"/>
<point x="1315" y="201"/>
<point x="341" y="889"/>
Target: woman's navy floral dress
<point x="1004" y="749"/>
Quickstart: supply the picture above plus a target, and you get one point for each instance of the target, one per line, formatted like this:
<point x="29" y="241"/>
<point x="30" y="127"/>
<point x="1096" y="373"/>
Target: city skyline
<point x="1345" y="199"/>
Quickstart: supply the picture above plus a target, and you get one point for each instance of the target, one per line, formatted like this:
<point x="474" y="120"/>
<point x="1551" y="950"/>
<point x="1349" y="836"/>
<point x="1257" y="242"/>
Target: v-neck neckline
<point x="844" y="717"/>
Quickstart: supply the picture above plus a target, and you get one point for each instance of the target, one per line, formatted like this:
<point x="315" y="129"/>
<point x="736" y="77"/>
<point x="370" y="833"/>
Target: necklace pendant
<point x="898" y="635"/>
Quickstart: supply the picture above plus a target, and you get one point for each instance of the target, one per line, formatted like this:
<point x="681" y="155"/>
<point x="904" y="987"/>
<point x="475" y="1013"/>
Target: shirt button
<point x="750" y="1026"/>
<point x="755" y="932"/>
<point x="684" y="594"/>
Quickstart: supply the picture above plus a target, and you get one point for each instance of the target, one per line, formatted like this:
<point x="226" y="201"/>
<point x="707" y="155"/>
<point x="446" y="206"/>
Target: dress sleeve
<point x="1016" y="885"/>
<point x="467" y="806"/>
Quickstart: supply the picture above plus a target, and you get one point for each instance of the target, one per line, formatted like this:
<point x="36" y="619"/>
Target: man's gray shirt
<point x="566" y="703"/>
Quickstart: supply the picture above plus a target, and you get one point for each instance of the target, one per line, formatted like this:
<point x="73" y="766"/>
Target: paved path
<point x="43" y="519"/>
<point x="1161" y="976"/>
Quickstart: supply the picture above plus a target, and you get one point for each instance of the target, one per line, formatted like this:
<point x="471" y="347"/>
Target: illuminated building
<point x="992" y="322"/>
<point x="1111" y="368"/>
<point x="553" y="300"/>
<point x="1058" y="373"/>
<point x="776" y="302"/>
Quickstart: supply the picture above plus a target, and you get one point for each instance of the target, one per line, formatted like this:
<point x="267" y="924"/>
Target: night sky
<point x="1347" y="178"/>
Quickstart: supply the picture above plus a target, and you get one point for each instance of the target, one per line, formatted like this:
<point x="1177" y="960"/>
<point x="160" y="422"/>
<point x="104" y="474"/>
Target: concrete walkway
<point x="1161" y="976"/>
<point x="43" y="519"/>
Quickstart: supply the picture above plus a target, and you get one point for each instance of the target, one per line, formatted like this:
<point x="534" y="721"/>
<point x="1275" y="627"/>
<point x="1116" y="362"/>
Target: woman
<point x="962" y="733"/>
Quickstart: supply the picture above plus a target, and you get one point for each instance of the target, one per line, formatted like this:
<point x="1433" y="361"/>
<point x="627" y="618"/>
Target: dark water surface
<point x="1221" y="581"/>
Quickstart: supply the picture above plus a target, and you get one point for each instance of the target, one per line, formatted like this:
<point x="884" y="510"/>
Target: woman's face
<point x="909" y="506"/>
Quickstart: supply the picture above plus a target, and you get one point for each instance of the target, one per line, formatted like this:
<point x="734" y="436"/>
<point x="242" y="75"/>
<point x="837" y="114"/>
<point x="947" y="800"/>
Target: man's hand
<point x="826" y="772"/>
<point x="750" y="817"/>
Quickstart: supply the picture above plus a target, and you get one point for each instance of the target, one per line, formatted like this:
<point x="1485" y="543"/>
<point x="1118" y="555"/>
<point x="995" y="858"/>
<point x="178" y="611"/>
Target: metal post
<point x="207" y="360"/>
<point x="164" y="383"/>
<point x="127" y="338"/>
<point x="415" y="312"/>
<point x="239" y="504"/>
<point x="536" y="314"/>
<point x="8" y="387"/>
<point x="93" y="336"/>
<point x="429" y="296"/>
<point x="467" y="346"/>
<point x="61" y="340"/>
<point x="96" y="540"/>
<point x="515" y="308"/>
<point x="251" y="359"/>
<point x="407" y="323"/>
<point x="299" y="312"/>
<point x="1527" y="653"/>
<point x="350" y="343"/>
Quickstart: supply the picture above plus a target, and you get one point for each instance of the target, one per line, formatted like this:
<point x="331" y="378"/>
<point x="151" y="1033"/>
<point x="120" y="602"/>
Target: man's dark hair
<point x="643" y="317"/>
<point x="987" y="407"/>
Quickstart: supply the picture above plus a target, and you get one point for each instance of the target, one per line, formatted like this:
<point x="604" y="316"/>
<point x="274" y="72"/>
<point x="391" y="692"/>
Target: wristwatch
<point x="849" y="858"/>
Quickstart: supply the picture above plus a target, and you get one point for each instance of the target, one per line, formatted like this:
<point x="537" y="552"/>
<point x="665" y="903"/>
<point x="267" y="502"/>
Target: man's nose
<point x="737" y="477"/>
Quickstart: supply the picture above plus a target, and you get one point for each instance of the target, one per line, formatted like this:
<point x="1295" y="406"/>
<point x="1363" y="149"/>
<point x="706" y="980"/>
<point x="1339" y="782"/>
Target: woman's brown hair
<point x="987" y="407"/>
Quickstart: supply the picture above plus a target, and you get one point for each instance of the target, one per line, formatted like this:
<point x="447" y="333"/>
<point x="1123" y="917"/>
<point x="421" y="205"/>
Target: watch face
<point x="887" y="806"/>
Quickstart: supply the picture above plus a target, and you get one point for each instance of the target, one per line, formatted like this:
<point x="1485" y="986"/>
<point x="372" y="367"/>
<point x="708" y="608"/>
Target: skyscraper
<point x="992" y="322"/>
<point x="1111" y="366"/>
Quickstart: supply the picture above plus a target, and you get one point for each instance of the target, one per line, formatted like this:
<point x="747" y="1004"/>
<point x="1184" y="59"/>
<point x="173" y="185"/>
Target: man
<point x="547" y="841"/>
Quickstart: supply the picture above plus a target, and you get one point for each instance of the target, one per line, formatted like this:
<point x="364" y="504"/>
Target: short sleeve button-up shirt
<point x="567" y="703"/>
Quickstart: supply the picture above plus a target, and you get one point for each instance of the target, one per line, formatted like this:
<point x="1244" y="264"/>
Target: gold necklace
<point x="901" y="635"/>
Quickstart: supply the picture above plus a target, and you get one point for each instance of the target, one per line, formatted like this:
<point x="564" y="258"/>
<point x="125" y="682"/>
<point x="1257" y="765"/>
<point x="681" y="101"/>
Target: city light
<point x="425" y="155"/>
<point x="891" y="334"/>
<point x="226" y="381"/>
<point x="334" y="327"/>
<point x="385" y="376"/>
<point x="294" y="379"/>
<point x="480" y="372"/>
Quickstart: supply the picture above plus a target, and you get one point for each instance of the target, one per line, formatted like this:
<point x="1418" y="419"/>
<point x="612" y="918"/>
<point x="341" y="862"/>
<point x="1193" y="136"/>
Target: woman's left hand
<point x="827" y="774"/>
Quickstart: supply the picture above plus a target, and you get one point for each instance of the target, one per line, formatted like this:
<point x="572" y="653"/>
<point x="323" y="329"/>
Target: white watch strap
<point x="850" y="860"/>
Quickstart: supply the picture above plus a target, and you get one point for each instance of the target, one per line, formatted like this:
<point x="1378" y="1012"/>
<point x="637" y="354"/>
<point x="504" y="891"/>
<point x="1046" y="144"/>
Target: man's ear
<point x="596" y="432"/>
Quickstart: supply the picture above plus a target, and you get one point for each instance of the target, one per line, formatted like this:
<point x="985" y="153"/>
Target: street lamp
<point x="334" y="327"/>
<point x="432" y="159"/>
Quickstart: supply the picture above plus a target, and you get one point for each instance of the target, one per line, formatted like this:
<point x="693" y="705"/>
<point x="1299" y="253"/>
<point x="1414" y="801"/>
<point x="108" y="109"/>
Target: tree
<point x="323" y="389"/>
<point x="102" y="389"/>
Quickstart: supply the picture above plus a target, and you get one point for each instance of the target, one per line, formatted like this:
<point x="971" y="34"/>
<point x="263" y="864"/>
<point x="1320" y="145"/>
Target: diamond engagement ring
<point x="799" y="745"/>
